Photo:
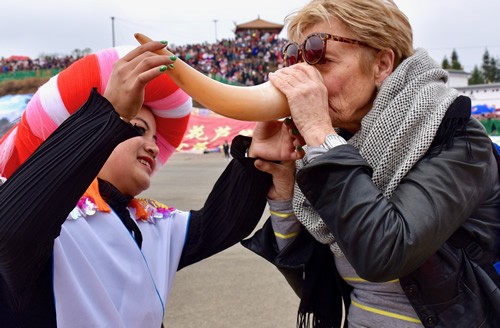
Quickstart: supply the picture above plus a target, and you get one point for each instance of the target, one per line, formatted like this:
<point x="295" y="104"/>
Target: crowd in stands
<point x="244" y="60"/>
<point x="28" y="64"/>
<point x="247" y="59"/>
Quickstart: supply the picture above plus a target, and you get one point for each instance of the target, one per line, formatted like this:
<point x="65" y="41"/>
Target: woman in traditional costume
<point x="107" y="259"/>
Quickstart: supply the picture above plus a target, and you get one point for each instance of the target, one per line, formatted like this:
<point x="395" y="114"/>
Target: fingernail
<point x="173" y="58"/>
<point x="299" y="148"/>
<point x="295" y="132"/>
<point x="163" y="68"/>
<point x="171" y="66"/>
<point x="164" y="42"/>
<point x="288" y="121"/>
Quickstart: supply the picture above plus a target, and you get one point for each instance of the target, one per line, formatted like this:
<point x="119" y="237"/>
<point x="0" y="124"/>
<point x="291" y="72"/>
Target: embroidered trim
<point x="143" y="209"/>
<point x="282" y="236"/>
<point x="358" y="279"/>
<point x="282" y="215"/>
<point x="86" y="206"/>
<point x="149" y="210"/>
<point x="386" y="313"/>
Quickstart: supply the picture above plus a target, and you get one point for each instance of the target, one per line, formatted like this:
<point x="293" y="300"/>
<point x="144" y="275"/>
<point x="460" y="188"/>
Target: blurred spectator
<point x="46" y="62"/>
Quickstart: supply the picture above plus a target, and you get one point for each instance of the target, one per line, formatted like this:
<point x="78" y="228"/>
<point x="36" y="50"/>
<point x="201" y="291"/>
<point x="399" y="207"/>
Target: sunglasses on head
<point x="313" y="50"/>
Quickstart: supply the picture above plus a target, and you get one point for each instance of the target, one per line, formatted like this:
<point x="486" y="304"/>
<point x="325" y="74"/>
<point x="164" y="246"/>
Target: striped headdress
<point x="67" y="91"/>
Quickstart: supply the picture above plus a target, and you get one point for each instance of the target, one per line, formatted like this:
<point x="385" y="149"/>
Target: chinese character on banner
<point x="207" y="133"/>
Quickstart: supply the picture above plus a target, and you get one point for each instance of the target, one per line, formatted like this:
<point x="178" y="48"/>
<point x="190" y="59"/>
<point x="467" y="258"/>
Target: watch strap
<point x="332" y="141"/>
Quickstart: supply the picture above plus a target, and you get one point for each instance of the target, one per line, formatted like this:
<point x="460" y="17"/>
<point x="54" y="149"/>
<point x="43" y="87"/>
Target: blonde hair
<point x="378" y="23"/>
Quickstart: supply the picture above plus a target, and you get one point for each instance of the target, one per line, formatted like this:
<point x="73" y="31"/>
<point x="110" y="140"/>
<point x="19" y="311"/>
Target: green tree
<point x="86" y="51"/>
<point x="476" y="76"/>
<point x="494" y="70"/>
<point x="445" y="64"/>
<point x="455" y="63"/>
<point x="486" y="68"/>
<point x="79" y="53"/>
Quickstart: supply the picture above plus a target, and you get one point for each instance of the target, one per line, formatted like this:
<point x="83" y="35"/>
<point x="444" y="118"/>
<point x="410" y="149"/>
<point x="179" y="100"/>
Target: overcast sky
<point x="35" y="27"/>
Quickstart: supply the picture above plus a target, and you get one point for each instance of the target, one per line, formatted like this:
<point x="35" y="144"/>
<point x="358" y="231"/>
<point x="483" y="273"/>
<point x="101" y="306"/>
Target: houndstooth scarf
<point x="395" y="134"/>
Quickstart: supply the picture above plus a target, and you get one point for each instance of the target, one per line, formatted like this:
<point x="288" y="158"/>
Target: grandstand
<point x="246" y="60"/>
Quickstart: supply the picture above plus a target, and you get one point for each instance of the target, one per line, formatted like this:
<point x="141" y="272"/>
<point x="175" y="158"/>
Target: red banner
<point x="207" y="132"/>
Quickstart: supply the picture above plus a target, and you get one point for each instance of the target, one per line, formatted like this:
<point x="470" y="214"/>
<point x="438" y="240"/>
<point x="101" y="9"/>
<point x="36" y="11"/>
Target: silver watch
<point x="332" y="141"/>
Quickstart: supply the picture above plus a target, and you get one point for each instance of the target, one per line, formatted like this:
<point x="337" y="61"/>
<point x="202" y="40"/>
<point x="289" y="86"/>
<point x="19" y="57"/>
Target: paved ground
<point x="233" y="289"/>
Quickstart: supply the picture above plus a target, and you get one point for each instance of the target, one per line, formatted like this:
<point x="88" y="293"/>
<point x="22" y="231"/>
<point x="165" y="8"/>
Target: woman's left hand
<point x="283" y="178"/>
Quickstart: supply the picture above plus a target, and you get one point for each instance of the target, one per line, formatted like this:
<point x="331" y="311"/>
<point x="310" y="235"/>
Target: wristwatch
<point x="332" y="141"/>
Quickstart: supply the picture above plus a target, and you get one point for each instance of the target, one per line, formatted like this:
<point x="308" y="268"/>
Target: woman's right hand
<point x="125" y="89"/>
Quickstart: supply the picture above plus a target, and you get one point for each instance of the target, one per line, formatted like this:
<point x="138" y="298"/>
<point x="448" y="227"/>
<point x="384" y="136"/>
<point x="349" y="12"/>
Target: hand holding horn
<point x="262" y="102"/>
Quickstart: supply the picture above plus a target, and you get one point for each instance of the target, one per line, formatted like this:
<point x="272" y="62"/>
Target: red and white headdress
<point x="66" y="92"/>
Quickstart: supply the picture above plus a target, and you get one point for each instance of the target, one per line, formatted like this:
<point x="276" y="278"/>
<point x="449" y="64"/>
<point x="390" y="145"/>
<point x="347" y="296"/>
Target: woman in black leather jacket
<point x="398" y="192"/>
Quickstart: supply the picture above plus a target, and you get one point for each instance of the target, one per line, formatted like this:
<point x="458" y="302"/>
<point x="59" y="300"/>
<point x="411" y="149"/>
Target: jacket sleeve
<point x="291" y="260"/>
<point x="37" y="198"/>
<point x="308" y="267"/>
<point x="232" y="209"/>
<point x="382" y="238"/>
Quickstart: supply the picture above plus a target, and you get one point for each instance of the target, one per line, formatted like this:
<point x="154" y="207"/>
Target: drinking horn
<point x="261" y="102"/>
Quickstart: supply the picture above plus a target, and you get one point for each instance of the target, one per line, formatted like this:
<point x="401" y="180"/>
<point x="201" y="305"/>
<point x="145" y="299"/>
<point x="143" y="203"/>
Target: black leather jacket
<point x="405" y="236"/>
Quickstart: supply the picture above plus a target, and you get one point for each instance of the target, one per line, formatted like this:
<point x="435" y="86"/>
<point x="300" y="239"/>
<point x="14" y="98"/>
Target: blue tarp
<point x="12" y="106"/>
<point x="498" y="149"/>
<point x="482" y="109"/>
